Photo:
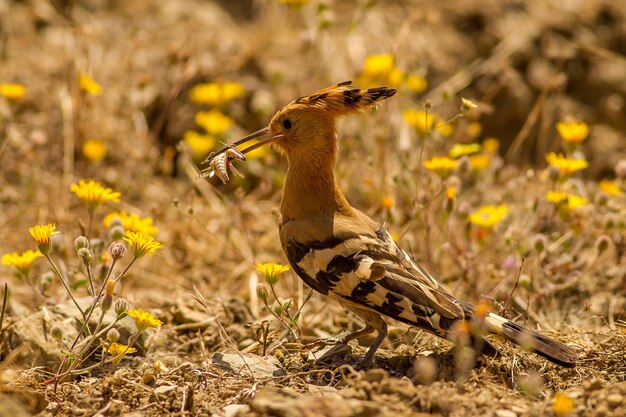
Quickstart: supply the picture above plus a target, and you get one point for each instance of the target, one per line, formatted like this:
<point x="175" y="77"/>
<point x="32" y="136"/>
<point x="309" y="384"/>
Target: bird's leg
<point x="379" y="325"/>
<point x="343" y="340"/>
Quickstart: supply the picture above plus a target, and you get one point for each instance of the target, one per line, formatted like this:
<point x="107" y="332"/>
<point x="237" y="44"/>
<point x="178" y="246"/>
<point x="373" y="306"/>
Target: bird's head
<point x="306" y="126"/>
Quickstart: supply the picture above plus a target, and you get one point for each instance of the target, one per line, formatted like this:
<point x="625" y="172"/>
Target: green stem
<point x="67" y="288"/>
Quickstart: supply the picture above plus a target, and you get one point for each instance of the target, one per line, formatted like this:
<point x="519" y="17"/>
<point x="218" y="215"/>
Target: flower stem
<point x="67" y="288"/>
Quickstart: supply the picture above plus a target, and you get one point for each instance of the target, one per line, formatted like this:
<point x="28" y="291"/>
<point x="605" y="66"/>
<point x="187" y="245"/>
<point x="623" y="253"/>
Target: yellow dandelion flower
<point x="93" y="193"/>
<point x="441" y="165"/>
<point x="451" y="192"/>
<point x="480" y="161"/>
<point x="445" y="129"/>
<point x="271" y="271"/>
<point x="216" y="94"/>
<point x="141" y="244"/>
<point x="573" y="131"/>
<point x="41" y="233"/>
<point x="395" y="78"/>
<point x="118" y="351"/>
<point x="416" y="83"/>
<point x="491" y="145"/>
<point x="460" y="149"/>
<point x="89" y="85"/>
<point x="556" y="197"/>
<point x="474" y="129"/>
<point x="143" y="319"/>
<point x="12" y="91"/>
<point x="422" y="121"/>
<point x="22" y="262"/>
<point x="610" y="188"/>
<point x="214" y="121"/>
<point x="200" y="144"/>
<point x="132" y="223"/>
<point x="378" y="66"/>
<point x="575" y="201"/>
<point x="489" y="216"/>
<point x="94" y="149"/>
<point x="566" y="166"/>
<point x="562" y="404"/>
<point x="568" y="201"/>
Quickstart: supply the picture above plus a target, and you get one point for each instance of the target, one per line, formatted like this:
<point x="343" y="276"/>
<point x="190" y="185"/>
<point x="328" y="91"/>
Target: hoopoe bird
<point x="342" y="253"/>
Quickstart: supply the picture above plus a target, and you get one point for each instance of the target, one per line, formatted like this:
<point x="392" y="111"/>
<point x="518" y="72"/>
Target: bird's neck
<point x="311" y="189"/>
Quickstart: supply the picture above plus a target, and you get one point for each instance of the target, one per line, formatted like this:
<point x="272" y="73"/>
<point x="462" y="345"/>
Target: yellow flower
<point x="416" y="83"/>
<point x="572" y="201"/>
<point x="141" y="244"/>
<point x="610" y="188"/>
<point x="88" y="85"/>
<point x="480" y="161"/>
<point x="395" y="78"/>
<point x="94" y="149"/>
<point x="468" y="104"/>
<point x="474" y="129"/>
<point x="216" y="94"/>
<point x="93" y="193"/>
<point x="566" y="166"/>
<point x="459" y="149"/>
<point x="562" y="405"/>
<point x="423" y="122"/>
<point x="214" y="121"/>
<point x="41" y="233"/>
<point x="118" y="351"/>
<point x="445" y="129"/>
<point x="387" y="202"/>
<point x="200" y="144"/>
<point x="21" y="262"/>
<point x="573" y="131"/>
<point x="491" y="145"/>
<point x="488" y="216"/>
<point x="132" y="223"/>
<point x="271" y="271"/>
<point x="12" y="91"/>
<point x="451" y="192"/>
<point x="143" y="319"/>
<point x="378" y="66"/>
<point x="441" y="165"/>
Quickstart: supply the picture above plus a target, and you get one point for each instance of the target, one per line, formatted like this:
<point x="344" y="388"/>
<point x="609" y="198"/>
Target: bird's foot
<point x="366" y="363"/>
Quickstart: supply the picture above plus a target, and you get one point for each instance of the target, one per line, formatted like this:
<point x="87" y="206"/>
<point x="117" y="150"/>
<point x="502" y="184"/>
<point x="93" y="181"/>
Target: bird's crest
<point x="341" y="99"/>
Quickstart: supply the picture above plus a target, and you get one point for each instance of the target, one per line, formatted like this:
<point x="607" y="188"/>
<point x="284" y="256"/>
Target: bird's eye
<point x="287" y="124"/>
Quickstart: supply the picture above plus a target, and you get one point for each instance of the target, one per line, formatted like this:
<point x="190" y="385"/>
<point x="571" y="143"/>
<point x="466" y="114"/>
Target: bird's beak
<point x="258" y="134"/>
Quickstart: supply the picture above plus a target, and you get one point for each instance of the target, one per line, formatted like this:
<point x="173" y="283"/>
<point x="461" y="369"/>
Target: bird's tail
<point x="531" y="340"/>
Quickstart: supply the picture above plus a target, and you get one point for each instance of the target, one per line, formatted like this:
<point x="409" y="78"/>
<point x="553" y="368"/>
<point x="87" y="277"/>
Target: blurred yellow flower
<point x="41" y="233"/>
<point x="445" y="129"/>
<point x="141" y="244"/>
<point x="89" y="85"/>
<point x="132" y="223"/>
<point x="571" y="201"/>
<point x="566" y="166"/>
<point x="200" y="144"/>
<point x="610" y="188"/>
<point x="488" y="216"/>
<point x="271" y="271"/>
<point x="118" y="351"/>
<point x="460" y="149"/>
<point x="480" y="161"/>
<point x="451" y="192"/>
<point x="474" y="129"/>
<point x="562" y="404"/>
<point x="216" y="94"/>
<point x="491" y="145"/>
<point x="94" y="149"/>
<point x="387" y="202"/>
<point x="416" y="83"/>
<point x="378" y="66"/>
<point x="93" y="193"/>
<point x="441" y="165"/>
<point x="144" y="319"/>
<point x="395" y="78"/>
<point x="573" y="131"/>
<point x="419" y="119"/>
<point x="22" y="262"/>
<point x="12" y="91"/>
<point x="214" y="121"/>
<point x="467" y="104"/>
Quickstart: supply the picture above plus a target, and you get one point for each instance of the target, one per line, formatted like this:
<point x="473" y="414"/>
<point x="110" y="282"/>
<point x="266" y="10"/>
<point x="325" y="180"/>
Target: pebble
<point x="615" y="400"/>
<point x="505" y="413"/>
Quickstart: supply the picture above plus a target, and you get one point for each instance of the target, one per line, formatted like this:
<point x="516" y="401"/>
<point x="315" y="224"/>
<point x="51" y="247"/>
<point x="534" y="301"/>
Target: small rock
<point x="244" y="363"/>
<point x="164" y="390"/>
<point x="233" y="410"/>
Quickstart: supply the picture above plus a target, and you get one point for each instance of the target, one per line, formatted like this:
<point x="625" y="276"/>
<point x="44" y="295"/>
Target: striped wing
<point x="372" y="271"/>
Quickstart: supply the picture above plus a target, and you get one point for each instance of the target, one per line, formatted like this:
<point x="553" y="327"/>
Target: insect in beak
<point x="258" y="134"/>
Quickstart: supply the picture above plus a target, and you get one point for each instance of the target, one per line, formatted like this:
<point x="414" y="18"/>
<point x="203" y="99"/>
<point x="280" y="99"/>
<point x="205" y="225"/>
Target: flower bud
<point x="113" y="335"/>
<point x="116" y="232"/>
<point x="620" y="169"/>
<point x="539" y="242"/>
<point x="86" y="255"/>
<point x="106" y="302"/>
<point x="602" y="243"/>
<point x="45" y="280"/>
<point x="81" y="242"/>
<point x="262" y="291"/>
<point x="56" y="332"/>
<point x="525" y="281"/>
<point x="554" y="173"/>
<point x="116" y="221"/>
<point x="602" y="199"/>
<point x="121" y="306"/>
<point x="117" y="250"/>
